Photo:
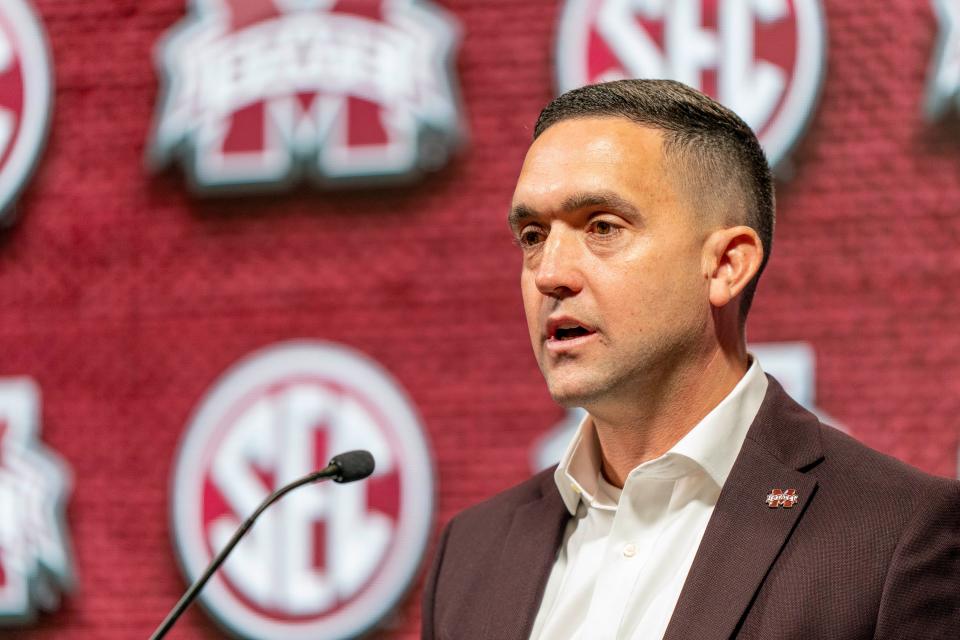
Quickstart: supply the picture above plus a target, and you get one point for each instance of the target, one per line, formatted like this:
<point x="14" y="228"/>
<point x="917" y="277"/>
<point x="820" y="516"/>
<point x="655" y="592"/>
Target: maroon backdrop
<point x="125" y="297"/>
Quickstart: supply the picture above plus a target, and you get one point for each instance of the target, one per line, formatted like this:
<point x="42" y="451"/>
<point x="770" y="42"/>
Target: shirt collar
<point x="712" y="445"/>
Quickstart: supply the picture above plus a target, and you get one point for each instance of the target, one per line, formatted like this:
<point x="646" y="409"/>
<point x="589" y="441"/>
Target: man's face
<point x="614" y="276"/>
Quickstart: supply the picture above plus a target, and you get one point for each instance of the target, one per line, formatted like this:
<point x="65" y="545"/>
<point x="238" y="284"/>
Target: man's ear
<point x="733" y="255"/>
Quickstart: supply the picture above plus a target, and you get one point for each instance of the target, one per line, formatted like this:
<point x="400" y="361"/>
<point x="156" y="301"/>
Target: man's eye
<point x="603" y="228"/>
<point x="530" y="237"/>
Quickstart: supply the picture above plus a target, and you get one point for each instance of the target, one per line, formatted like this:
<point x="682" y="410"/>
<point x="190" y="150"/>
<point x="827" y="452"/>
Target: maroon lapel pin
<point x="779" y="498"/>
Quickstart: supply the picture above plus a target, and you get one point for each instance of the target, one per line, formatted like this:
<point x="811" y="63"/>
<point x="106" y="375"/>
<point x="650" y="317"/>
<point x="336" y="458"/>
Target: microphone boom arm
<point x="346" y="467"/>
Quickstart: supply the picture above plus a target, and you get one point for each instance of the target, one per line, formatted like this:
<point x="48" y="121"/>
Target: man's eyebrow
<point x="520" y="213"/>
<point x="602" y="199"/>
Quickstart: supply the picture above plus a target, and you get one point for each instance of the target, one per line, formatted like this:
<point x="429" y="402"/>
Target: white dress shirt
<point x="626" y="554"/>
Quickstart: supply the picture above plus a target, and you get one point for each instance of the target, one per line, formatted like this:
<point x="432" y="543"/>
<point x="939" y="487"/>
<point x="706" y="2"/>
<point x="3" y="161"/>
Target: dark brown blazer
<point x="872" y="549"/>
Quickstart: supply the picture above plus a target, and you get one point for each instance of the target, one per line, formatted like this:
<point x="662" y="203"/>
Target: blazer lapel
<point x="529" y="551"/>
<point x="745" y="535"/>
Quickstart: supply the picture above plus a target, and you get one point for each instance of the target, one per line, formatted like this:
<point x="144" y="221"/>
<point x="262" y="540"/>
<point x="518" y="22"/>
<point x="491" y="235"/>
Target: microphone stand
<point x="346" y="467"/>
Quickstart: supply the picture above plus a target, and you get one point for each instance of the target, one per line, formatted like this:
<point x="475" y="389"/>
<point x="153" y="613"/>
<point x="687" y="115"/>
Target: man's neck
<point x="654" y="422"/>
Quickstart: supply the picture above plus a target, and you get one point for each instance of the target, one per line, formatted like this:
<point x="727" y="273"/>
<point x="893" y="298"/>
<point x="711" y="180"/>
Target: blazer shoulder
<point x="861" y="484"/>
<point x="857" y="463"/>
<point x="506" y="502"/>
<point x="476" y="534"/>
<point x="799" y="439"/>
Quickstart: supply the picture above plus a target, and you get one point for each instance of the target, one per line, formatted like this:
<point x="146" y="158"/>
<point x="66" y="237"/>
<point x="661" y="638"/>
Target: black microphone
<point x="352" y="465"/>
<point x="346" y="467"/>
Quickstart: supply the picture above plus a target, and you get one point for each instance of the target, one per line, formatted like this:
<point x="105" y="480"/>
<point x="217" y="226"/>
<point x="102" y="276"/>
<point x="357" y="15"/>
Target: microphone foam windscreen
<point x="353" y="465"/>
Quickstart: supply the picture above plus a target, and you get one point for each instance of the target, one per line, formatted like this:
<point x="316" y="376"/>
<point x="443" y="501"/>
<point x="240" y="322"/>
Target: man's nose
<point x="559" y="270"/>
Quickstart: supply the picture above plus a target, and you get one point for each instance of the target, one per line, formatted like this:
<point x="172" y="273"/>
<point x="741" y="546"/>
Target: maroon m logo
<point x="779" y="498"/>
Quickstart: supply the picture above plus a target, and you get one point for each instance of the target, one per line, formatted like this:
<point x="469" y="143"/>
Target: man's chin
<point x="570" y="393"/>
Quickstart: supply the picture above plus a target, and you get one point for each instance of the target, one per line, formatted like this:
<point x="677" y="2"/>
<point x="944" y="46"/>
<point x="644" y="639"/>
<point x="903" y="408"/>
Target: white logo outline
<point x="793" y="117"/>
<point x="35" y="485"/>
<point x="310" y="143"/>
<point x="337" y="362"/>
<point x="31" y="136"/>
<point x="943" y="77"/>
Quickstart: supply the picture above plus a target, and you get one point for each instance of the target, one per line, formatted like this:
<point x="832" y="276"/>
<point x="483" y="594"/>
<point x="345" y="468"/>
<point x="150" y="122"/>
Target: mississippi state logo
<point x="25" y="97"/>
<point x="329" y="560"/>
<point x="779" y="498"/>
<point x="763" y="59"/>
<point x="258" y="93"/>
<point x="35" y="563"/>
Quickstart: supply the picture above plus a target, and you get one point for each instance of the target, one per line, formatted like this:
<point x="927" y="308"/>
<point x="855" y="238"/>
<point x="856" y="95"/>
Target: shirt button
<point x="630" y="550"/>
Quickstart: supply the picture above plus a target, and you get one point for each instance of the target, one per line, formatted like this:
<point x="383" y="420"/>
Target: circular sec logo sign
<point x="764" y="59"/>
<point x="328" y="560"/>
<point x="25" y="90"/>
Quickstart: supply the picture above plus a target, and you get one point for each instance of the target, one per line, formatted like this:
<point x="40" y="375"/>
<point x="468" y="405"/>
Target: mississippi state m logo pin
<point x="779" y="498"/>
<point x="260" y="93"/>
<point x="762" y="58"/>
<point x="330" y="560"/>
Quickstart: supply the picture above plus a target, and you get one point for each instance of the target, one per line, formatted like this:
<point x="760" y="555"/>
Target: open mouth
<point x="562" y="330"/>
<point x="569" y="333"/>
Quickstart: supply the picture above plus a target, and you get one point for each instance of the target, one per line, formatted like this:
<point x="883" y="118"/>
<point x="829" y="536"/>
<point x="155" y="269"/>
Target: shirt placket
<point x="629" y="546"/>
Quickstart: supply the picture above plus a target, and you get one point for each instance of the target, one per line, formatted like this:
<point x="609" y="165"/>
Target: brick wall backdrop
<point x="125" y="297"/>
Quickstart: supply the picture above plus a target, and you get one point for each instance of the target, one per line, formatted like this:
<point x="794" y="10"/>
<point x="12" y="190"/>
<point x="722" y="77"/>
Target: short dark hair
<point x="718" y="156"/>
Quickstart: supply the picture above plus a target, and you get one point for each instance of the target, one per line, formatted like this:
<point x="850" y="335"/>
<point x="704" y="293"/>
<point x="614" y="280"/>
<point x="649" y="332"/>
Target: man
<point x="697" y="500"/>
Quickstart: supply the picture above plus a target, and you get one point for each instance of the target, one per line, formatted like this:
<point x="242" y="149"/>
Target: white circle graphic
<point x="328" y="560"/>
<point x="23" y="49"/>
<point x="682" y="47"/>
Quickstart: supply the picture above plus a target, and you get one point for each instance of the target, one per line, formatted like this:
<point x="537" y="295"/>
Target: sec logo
<point x="762" y="58"/>
<point x="25" y="97"/>
<point x="329" y="560"/>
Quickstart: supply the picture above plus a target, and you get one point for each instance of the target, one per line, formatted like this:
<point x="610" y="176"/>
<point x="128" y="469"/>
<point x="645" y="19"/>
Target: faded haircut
<point x="717" y="159"/>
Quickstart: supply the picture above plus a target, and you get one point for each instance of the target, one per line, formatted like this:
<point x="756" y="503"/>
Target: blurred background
<point x="242" y="235"/>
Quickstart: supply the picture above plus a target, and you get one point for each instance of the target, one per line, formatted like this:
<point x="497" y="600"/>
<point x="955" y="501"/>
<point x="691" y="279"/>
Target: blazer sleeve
<point x="921" y="593"/>
<point x="429" y="598"/>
